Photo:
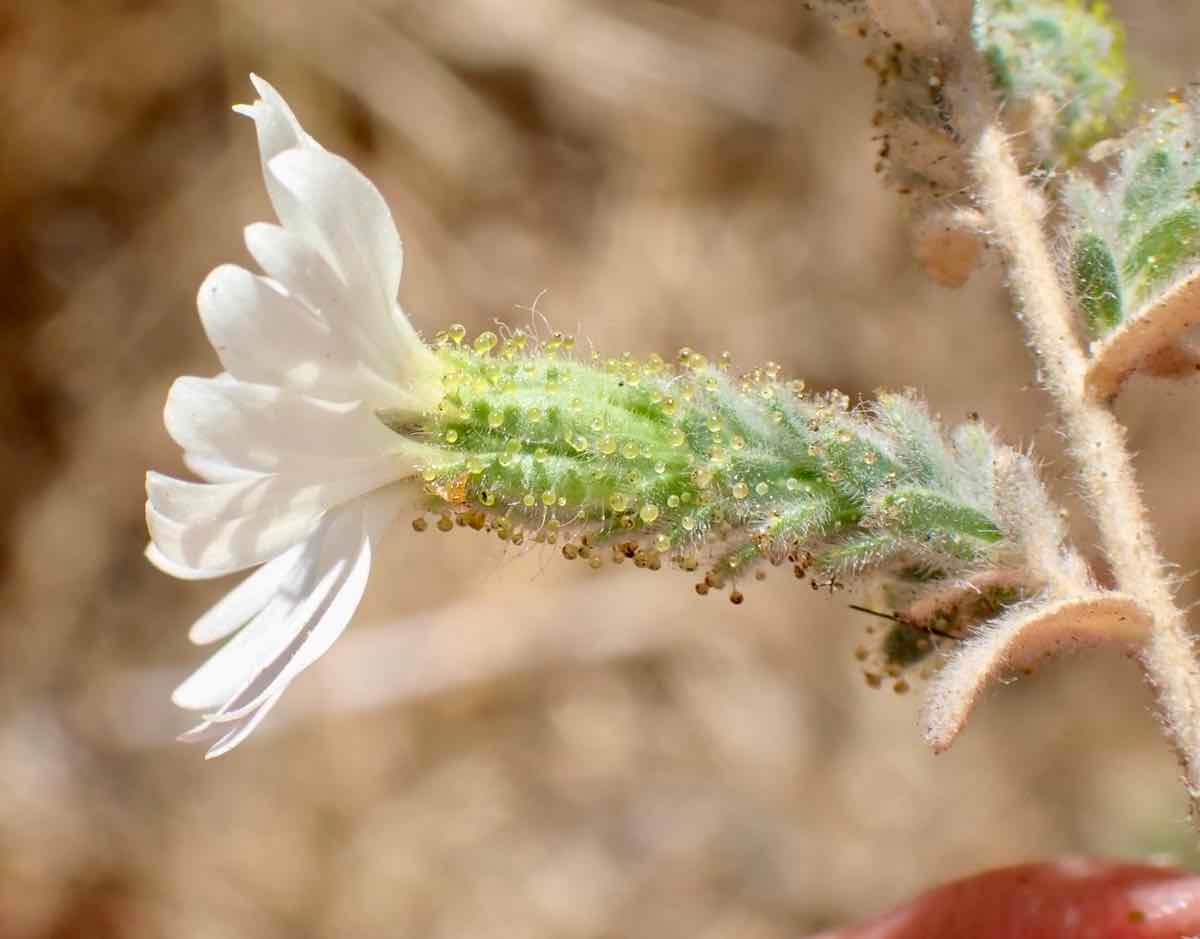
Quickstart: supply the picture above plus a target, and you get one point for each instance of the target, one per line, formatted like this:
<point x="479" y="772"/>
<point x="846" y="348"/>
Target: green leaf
<point x="1150" y="188"/>
<point x="1097" y="284"/>
<point x="1162" y="252"/>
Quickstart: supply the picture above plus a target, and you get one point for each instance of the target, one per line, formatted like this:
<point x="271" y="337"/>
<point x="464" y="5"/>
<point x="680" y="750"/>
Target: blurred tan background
<point x="501" y="746"/>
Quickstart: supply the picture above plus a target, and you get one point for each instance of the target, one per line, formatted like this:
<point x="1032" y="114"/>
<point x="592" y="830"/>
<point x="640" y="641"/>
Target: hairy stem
<point x="1097" y="442"/>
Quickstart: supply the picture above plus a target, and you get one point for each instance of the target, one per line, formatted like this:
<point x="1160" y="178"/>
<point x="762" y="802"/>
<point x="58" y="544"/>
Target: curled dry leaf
<point x="1176" y="361"/>
<point x="1017" y="640"/>
<point x="1144" y="339"/>
<point x="932" y="606"/>
<point x="948" y="243"/>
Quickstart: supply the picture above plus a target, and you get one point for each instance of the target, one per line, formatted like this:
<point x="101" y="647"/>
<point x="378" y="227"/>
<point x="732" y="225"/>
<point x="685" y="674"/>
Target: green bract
<point x="1140" y="235"/>
<point x="692" y="464"/>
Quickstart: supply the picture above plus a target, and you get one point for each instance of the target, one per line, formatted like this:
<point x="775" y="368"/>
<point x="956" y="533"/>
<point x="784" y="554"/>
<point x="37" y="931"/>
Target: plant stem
<point x="1095" y="440"/>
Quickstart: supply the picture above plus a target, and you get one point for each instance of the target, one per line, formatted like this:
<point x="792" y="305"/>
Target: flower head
<point x="330" y="406"/>
<point x="300" y="475"/>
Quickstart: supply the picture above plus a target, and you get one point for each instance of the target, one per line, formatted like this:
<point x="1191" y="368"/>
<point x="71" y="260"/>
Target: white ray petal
<point x="180" y="571"/>
<point x="397" y="366"/>
<point x="265" y="429"/>
<point x="260" y="334"/>
<point x="366" y="521"/>
<point x="192" y="503"/>
<point x="217" y="470"/>
<point x="278" y="129"/>
<point x="321" y="629"/>
<point x="234" y="666"/>
<point x="247" y="599"/>
<point x="338" y="560"/>
<point x="226" y="547"/>
<point x="242" y="730"/>
<point x="346" y="219"/>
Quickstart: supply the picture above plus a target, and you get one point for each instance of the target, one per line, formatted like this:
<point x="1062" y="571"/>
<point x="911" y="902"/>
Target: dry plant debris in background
<point x="520" y="735"/>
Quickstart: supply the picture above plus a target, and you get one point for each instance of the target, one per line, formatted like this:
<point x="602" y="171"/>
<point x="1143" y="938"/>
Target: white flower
<point x="300" y="474"/>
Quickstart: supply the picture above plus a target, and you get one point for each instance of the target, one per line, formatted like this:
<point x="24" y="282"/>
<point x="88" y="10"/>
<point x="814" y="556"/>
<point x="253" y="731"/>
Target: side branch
<point x="1096" y="441"/>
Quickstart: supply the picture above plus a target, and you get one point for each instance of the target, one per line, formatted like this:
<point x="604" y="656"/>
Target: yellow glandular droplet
<point x="495" y="420"/>
<point x="738" y="442"/>
<point x="607" y="445"/>
<point x="792" y="485"/>
<point x="662" y="543"/>
<point x="740" y="489"/>
<point x="535" y="415"/>
<point x="870" y="457"/>
<point x="672" y="501"/>
<point x="660" y="467"/>
<point x="688" y="522"/>
<point x="457" y="332"/>
<point x="540" y="454"/>
<point x="549" y="498"/>
<point x="629" y="450"/>
<point x="489" y="498"/>
<point x="676" y="437"/>
<point x="714" y="424"/>
<point x="649" y="512"/>
<point x="762" y="488"/>
<point x="528" y="500"/>
<point x="703" y="478"/>
<point x="474" y="465"/>
<point x="429" y="474"/>
<point x="485" y="342"/>
<point x="618" y="502"/>
<point x="451" y="436"/>
<point x="579" y="443"/>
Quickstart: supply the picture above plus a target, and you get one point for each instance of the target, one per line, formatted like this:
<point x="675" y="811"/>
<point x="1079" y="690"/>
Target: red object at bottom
<point x="1072" y="899"/>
